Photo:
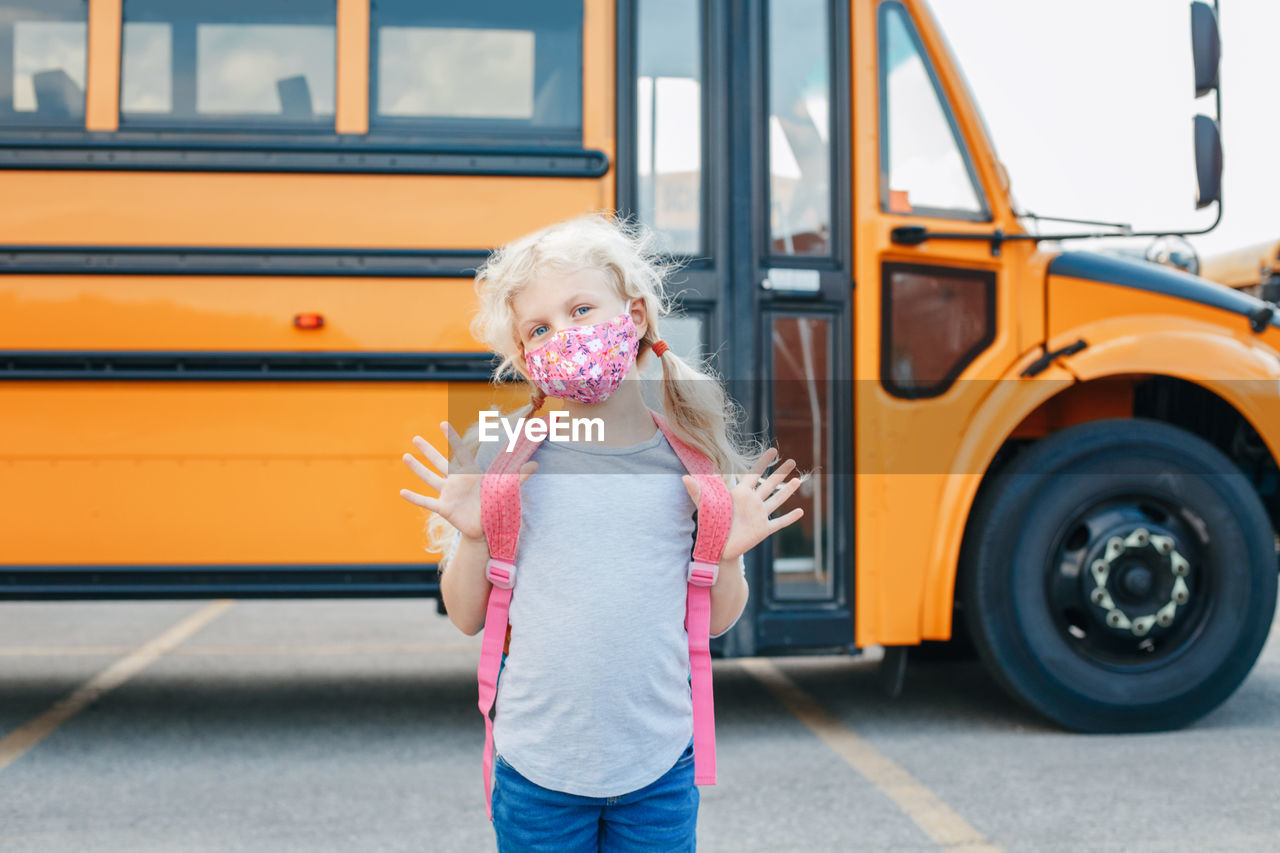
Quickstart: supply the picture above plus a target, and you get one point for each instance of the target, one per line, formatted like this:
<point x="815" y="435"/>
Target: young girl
<point x="593" y="722"/>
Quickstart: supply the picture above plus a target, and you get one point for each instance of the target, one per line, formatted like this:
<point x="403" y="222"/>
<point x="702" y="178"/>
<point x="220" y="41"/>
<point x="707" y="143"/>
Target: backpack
<point x="500" y="515"/>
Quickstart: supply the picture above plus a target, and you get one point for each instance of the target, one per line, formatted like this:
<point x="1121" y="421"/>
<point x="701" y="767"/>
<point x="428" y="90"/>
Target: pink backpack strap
<point x="715" y="516"/>
<point x="500" y="515"/>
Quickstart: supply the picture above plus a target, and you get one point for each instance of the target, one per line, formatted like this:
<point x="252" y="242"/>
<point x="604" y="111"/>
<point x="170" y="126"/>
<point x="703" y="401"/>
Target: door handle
<point x="791" y="280"/>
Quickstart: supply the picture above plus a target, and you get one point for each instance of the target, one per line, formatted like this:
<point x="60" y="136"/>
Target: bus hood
<point x="1155" y="278"/>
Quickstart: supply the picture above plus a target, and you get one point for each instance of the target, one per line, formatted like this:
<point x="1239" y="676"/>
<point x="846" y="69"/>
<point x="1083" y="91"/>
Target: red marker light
<point x="308" y="321"/>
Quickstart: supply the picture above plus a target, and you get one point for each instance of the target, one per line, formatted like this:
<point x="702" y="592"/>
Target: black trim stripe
<point x="181" y="260"/>
<point x="1155" y="278"/>
<point x="238" y="580"/>
<point x="330" y="154"/>
<point x="204" y="366"/>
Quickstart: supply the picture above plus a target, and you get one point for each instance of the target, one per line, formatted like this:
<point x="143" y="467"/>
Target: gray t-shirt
<point x="594" y="697"/>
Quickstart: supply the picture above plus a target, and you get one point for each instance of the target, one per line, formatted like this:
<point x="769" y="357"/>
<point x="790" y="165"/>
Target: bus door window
<point x="801" y="345"/>
<point x="485" y="69"/>
<point x="669" y="131"/>
<point x="925" y="169"/>
<point x="686" y="335"/>
<point x="802" y="351"/>
<point x="42" y="61"/>
<point x="224" y="63"/>
<point x="799" y="87"/>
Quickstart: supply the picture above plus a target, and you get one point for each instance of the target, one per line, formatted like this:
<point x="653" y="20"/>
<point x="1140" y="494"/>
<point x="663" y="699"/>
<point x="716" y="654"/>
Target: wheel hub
<point x="1137" y="580"/>
<point x="1139" y="567"/>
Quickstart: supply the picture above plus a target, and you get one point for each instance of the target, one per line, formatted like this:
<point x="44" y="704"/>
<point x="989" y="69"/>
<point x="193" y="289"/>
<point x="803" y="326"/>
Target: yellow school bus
<point x="237" y="247"/>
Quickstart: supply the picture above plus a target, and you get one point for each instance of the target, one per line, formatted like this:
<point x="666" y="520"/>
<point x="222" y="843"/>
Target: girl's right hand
<point x="458" y="484"/>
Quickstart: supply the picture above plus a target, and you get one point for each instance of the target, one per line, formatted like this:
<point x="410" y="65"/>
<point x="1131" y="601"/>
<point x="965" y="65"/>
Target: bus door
<point x="733" y="145"/>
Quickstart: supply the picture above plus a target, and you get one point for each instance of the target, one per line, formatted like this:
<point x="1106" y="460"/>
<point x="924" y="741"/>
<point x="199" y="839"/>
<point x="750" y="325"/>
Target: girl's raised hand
<point x="458" y="484"/>
<point x="754" y="498"/>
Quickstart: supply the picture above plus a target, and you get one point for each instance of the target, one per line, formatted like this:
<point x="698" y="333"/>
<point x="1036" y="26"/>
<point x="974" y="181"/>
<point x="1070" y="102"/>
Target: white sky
<point x="1090" y="105"/>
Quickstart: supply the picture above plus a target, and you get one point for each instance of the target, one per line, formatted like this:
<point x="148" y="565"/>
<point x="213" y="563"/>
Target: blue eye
<point x="581" y="308"/>
<point x="539" y="330"/>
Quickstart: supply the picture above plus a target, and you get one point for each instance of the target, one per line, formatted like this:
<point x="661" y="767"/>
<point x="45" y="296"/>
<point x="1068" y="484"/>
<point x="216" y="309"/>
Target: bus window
<point x="802" y="349"/>
<point x="228" y="63"/>
<point x="937" y="320"/>
<point x="669" y="122"/>
<point x="799" y="128"/>
<point x="42" y="61"/>
<point x="924" y="167"/>
<point x="452" y="68"/>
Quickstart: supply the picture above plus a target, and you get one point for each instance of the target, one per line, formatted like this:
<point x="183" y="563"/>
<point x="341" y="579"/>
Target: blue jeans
<point x="661" y="816"/>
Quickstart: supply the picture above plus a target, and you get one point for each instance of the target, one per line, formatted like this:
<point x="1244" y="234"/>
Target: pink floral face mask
<point x="585" y="363"/>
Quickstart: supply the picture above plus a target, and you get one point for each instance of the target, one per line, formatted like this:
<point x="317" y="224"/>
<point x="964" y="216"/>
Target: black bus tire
<point x="1065" y="502"/>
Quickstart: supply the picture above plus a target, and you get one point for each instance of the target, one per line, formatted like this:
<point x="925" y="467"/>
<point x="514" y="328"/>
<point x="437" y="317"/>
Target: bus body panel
<point x="234" y="210"/>
<point x="208" y="472"/>
<point x="231" y="313"/>
<point x="906" y="450"/>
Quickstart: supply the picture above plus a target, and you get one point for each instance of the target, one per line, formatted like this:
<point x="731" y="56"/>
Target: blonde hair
<point x="693" y="398"/>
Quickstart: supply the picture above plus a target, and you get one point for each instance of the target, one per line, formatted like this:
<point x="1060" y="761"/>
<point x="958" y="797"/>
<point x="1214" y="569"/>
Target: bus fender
<point x="1243" y="371"/>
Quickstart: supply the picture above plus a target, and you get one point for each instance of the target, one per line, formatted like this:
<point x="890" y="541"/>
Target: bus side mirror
<point x="1208" y="162"/>
<point x="1206" y="51"/>
<point x="1205" y="47"/>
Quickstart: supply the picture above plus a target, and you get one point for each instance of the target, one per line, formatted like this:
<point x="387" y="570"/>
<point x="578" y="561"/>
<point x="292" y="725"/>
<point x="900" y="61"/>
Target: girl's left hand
<point x="753" y="500"/>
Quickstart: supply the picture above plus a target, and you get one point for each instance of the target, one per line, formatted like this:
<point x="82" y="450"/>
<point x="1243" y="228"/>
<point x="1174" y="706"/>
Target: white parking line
<point x="23" y="738"/>
<point x="934" y="817"/>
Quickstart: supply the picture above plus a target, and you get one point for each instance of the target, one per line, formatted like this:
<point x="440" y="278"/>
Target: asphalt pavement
<point x="345" y="725"/>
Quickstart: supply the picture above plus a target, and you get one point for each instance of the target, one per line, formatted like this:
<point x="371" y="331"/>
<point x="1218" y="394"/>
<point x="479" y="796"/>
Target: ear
<point x="639" y="315"/>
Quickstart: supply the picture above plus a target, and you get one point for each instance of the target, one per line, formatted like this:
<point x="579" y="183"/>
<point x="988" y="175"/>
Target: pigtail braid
<point x="704" y="416"/>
